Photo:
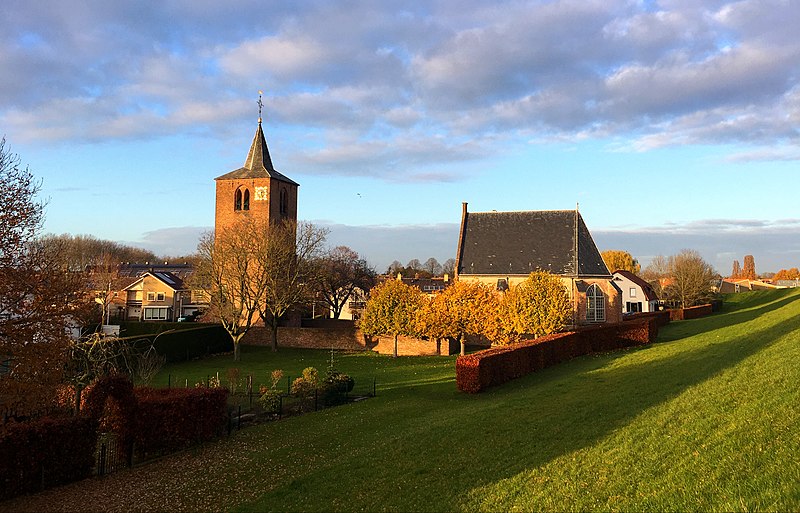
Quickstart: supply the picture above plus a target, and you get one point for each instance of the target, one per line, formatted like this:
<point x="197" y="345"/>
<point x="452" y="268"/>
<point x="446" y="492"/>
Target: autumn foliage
<point x="392" y="309"/>
<point x="538" y="306"/>
<point x="617" y="260"/>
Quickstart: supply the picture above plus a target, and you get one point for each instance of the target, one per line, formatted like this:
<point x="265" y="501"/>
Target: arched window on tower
<point x="595" y="304"/>
<point x="284" y="202"/>
<point x="237" y="200"/>
<point x="246" y="201"/>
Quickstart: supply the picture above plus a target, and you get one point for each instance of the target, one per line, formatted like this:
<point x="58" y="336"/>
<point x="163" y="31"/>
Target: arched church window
<point x="246" y="201"/>
<point x="237" y="200"/>
<point x="595" y="304"/>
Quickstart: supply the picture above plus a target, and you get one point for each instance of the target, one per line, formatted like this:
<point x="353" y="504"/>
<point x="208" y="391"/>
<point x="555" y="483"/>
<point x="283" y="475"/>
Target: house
<point x="160" y="296"/>
<point x="727" y="285"/>
<point x="502" y="248"/>
<point x="637" y="294"/>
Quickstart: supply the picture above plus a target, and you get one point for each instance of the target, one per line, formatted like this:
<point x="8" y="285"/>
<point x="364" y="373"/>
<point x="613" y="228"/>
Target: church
<point x="255" y="189"/>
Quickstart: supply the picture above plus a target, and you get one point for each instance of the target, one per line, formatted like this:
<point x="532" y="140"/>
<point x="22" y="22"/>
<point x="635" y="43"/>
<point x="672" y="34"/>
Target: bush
<point x="173" y="418"/>
<point x="44" y="453"/>
<point x="270" y="398"/>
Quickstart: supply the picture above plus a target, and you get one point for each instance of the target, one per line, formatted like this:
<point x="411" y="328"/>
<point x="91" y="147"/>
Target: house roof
<point x="258" y="163"/>
<point x="504" y="243"/>
<point x="168" y="279"/>
<point x="649" y="293"/>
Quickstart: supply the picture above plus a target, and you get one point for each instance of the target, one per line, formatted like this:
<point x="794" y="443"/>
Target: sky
<point x="670" y="124"/>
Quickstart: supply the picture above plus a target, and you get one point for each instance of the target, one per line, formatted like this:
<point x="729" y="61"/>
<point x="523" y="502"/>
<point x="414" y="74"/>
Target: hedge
<point x="498" y="365"/>
<point x="170" y="419"/>
<point x="47" y="452"/>
<point x="693" y="312"/>
<point x="187" y="342"/>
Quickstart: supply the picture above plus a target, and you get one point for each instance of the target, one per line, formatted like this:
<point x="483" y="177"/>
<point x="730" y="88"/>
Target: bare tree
<point x="227" y="271"/>
<point x="449" y="266"/>
<point x="287" y="259"/>
<point x="414" y="264"/>
<point x="691" y="278"/>
<point x="432" y="266"/>
<point x="342" y="271"/>
<point x="395" y="267"/>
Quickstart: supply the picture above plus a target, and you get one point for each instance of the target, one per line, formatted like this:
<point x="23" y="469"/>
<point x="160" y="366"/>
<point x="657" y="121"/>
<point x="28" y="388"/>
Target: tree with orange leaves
<point x="463" y="308"/>
<point x="392" y="309"/>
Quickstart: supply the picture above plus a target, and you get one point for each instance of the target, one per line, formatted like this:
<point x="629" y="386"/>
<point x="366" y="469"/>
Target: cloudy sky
<point x="673" y="124"/>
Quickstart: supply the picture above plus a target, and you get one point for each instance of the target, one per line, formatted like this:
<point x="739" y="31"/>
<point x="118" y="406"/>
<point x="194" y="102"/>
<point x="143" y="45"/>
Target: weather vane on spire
<point x="260" y="105"/>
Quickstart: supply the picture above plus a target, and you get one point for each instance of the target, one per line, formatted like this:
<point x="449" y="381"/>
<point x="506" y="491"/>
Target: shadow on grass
<point x="448" y="451"/>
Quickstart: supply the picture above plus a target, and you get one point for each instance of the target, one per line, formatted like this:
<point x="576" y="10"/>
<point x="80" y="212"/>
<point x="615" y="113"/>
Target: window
<point x="595" y="304"/>
<point x="632" y="292"/>
<point x="237" y="200"/>
<point x="284" y="202"/>
<point x="155" y="314"/>
<point x="502" y="285"/>
<point x="159" y="296"/>
<point x="246" y="201"/>
<point x="151" y="296"/>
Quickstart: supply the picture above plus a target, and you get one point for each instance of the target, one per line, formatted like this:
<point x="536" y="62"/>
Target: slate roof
<point x="169" y="279"/>
<point x="505" y="243"/>
<point x="649" y="293"/>
<point x="258" y="163"/>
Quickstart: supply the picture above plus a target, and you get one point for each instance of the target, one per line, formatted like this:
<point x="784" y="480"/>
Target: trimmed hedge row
<point x="693" y="312"/>
<point x="498" y="365"/>
<point x="173" y="418"/>
<point x="187" y="342"/>
<point x="46" y="452"/>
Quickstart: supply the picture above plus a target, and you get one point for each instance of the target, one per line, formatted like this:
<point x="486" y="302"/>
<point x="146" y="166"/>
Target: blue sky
<point x="674" y="124"/>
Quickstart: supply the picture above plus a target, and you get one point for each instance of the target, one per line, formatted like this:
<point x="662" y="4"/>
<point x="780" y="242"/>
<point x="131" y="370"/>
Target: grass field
<point x="708" y="418"/>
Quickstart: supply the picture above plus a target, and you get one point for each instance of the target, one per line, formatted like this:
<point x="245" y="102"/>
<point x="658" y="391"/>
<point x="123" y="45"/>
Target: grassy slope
<point x="706" y="419"/>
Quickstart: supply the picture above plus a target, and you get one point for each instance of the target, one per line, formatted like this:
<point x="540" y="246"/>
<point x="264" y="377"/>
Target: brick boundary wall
<point x="346" y="337"/>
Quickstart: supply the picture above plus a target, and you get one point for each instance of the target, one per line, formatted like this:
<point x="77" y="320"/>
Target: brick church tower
<point x="256" y="189"/>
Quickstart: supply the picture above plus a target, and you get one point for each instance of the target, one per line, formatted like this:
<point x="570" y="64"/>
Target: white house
<point x="637" y="294"/>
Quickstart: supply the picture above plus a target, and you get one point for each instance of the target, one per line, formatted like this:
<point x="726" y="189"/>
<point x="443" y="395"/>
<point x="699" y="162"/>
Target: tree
<point x="342" y="271"/>
<point x="394" y="268"/>
<point x="83" y="252"/>
<point x="432" y="266"/>
<point x="749" y="270"/>
<point x="538" y="306"/>
<point x="449" y="266"/>
<point x="784" y="274"/>
<point x="690" y="278"/>
<point x="414" y="264"/>
<point x="736" y="272"/>
<point x="392" y="309"/>
<point x="37" y="297"/>
<point x="287" y="256"/>
<point x="657" y="274"/>
<point x="617" y="260"/>
<point x="226" y="271"/>
<point x="463" y="308"/>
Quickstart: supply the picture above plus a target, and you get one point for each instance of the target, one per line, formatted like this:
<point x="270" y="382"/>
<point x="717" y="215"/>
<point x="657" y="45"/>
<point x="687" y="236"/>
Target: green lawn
<point x="708" y="418"/>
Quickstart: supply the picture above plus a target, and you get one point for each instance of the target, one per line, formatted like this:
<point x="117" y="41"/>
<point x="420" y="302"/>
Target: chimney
<point x="446" y="277"/>
<point x="399" y="276"/>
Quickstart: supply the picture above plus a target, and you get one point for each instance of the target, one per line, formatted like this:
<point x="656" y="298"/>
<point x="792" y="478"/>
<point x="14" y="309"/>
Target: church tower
<point x="256" y="189"/>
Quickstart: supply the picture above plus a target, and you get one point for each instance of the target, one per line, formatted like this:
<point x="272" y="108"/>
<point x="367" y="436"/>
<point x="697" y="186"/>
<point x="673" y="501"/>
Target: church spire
<point x="258" y="157"/>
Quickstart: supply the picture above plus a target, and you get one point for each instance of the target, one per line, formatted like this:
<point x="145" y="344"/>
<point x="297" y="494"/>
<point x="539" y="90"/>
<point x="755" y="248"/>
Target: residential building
<point x="636" y="294"/>
<point x="160" y="296"/>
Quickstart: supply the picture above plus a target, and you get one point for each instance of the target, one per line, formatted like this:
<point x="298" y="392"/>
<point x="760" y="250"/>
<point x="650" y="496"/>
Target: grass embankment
<point x="708" y="418"/>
